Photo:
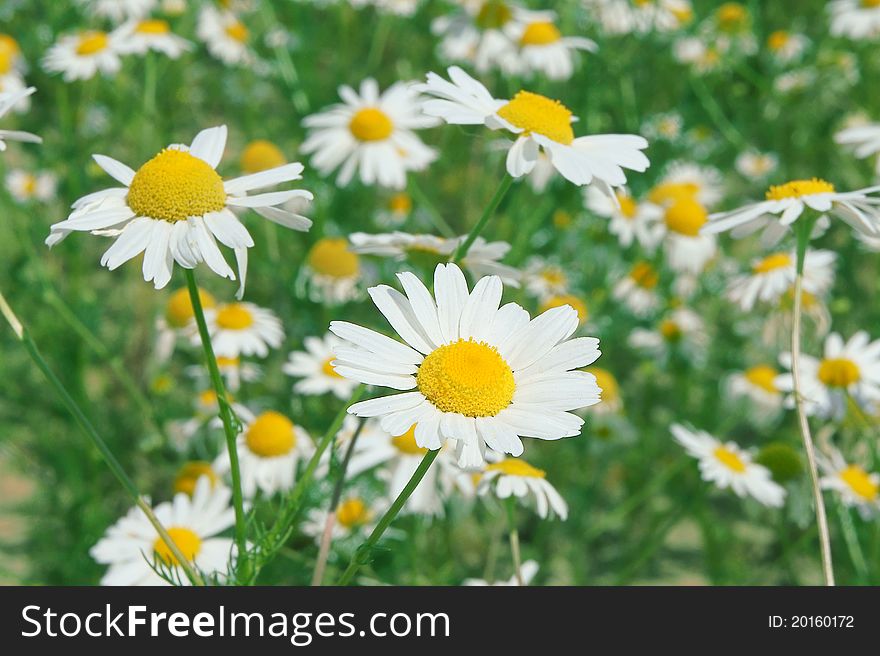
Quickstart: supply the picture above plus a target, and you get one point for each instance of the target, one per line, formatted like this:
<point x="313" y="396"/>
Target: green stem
<point x="724" y="125"/>
<point x="229" y="423"/>
<point x="851" y="538"/>
<point x="463" y="248"/>
<point x="510" y="505"/>
<point x="362" y="555"/>
<point x="436" y="218"/>
<point x="90" y="431"/>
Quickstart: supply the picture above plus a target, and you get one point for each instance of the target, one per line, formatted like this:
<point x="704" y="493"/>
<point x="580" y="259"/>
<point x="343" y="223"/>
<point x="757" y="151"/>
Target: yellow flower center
<point x="670" y="330"/>
<point x="670" y="192"/>
<point x="226" y="362"/>
<point x="540" y="34"/>
<point x="799" y="188"/>
<point x="184" y="539"/>
<point x="772" y="262"/>
<point x="858" y="479"/>
<point x="9" y="52"/>
<point x="352" y="513"/>
<point x="400" y="203"/>
<point x="91" y="43"/>
<point x="731" y="16"/>
<point x="30" y="184"/>
<point x="208" y="398"/>
<point x="686" y="216"/>
<point x="467" y="377"/>
<point x="554" y="276"/>
<point x="331" y="257"/>
<point x="567" y="299"/>
<point x="762" y="376"/>
<point x="406" y="443"/>
<point x="189" y="475"/>
<point x="234" y="316"/>
<point x="778" y="39"/>
<point x="270" y="435"/>
<point x="371" y="124"/>
<point x="644" y="275"/>
<point x="683" y="13"/>
<point x="562" y="219"/>
<point x="174" y="186"/>
<point x="153" y="26"/>
<point x="871" y="3"/>
<point x="628" y="206"/>
<point x="839" y="372"/>
<point x="533" y="112"/>
<point x="260" y="155"/>
<point x="327" y="368"/>
<point x="493" y="15"/>
<point x="729" y="459"/>
<point x="516" y="467"/>
<point x="179" y="311"/>
<point x="237" y="32"/>
<point x="606" y="382"/>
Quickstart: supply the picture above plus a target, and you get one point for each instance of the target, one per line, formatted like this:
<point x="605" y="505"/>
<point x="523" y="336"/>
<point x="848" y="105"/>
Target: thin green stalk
<point x="363" y="553"/>
<point x="851" y="539"/>
<point x="229" y="423"/>
<point x="463" y="248"/>
<point x="513" y="531"/>
<point x="724" y="125"/>
<point x="436" y="218"/>
<point x="90" y="431"/>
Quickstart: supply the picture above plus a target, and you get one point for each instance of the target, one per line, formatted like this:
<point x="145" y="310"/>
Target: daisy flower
<point x="25" y="186"/>
<point x="856" y="486"/>
<point x="682" y="328"/>
<point x="543" y="49"/>
<point x="333" y="271"/>
<point x="7" y="102"/>
<point x="225" y="36"/>
<point x="638" y="289"/>
<point x="864" y="139"/>
<point x="81" y="56"/>
<point x="788" y="202"/>
<point x="630" y="220"/>
<point x="515" y="477"/>
<point x="729" y="466"/>
<point x="773" y="275"/>
<point x="118" y="10"/>
<point x="758" y="384"/>
<point x="847" y="369"/>
<point x="667" y="126"/>
<point x="242" y="329"/>
<point x="855" y="19"/>
<point x="539" y="123"/>
<point x="370" y="133"/>
<point x="686" y="180"/>
<point x="687" y="249"/>
<point x="527" y="571"/>
<point x="177" y="320"/>
<point x="471" y="371"/>
<point x="139" y="37"/>
<point x="611" y="401"/>
<point x="701" y="54"/>
<point x="543" y="279"/>
<point x="11" y="60"/>
<point x="314" y="366"/>
<point x="175" y="206"/>
<point x="190" y="473"/>
<point x="755" y="165"/>
<point x="787" y="46"/>
<point x="269" y="448"/>
<point x="354" y="516"/>
<point x="641" y="16"/>
<point x="132" y="545"/>
<point x="398" y="208"/>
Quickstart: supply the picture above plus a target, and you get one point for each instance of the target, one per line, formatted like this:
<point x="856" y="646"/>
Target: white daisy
<point x="850" y="369"/>
<point x="269" y="448"/>
<point x="755" y="165"/>
<point x="175" y="205"/>
<point x="314" y="366"/>
<point x="787" y="46"/>
<point x="25" y="186"/>
<point x="139" y="37"/>
<point x="118" y="10"/>
<point x="370" y="133"/>
<point x="666" y="126"/>
<point x="630" y="220"/>
<point x="7" y="102"/>
<point x="687" y="180"/>
<point x="856" y="19"/>
<point x="12" y="63"/>
<point x="515" y="477"/>
<point x="543" y="49"/>
<point x="698" y="53"/>
<point x="638" y="289"/>
<point x="353" y="516"/>
<point x="543" y="279"/>
<point x="527" y="571"/>
<point x="729" y="466"/>
<point x="863" y="139"/>
<point x="539" y="123"/>
<point x="682" y="328"/>
<point x="132" y="545"/>
<point x="773" y="275"/>
<point x="190" y="473"/>
<point x="480" y="374"/>
<point x="81" y="56"/>
<point x="758" y="383"/>
<point x="398" y="208"/>
<point x="641" y="16"/>
<point x="788" y="201"/>
<point x="333" y="270"/>
<point x="225" y="36"/>
<point x="856" y="486"/>
<point x="242" y="329"/>
<point x="679" y="228"/>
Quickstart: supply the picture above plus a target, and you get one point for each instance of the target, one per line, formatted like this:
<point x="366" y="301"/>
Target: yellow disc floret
<point x="778" y="40"/>
<point x="330" y="256"/>
<point x="175" y="185"/>
<point x="686" y="216"/>
<point x="406" y="443"/>
<point x="670" y="192"/>
<point x="327" y="368"/>
<point x="91" y="43"/>
<point x="400" y="203"/>
<point x="467" y="377"/>
<point x="179" y="311"/>
<point x="870" y="4"/>
<point x="516" y="467"/>
<point x="799" y="188"/>
<point x="763" y="376"/>
<point x="352" y="513"/>
<point x="540" y="34"/>
<point x="533" y="112"/>
<point x="494" y="14"/>
<point x="187" y="542"/>
<point x="579" y="305"/>
<point x="237" y="32"/>
<point x="234" y="316"/>
<point x="772" y="262"/>
<point x="9" y="52"/>
<point x="732" y="16"/>
<point x="839" y="372"/>
<point x="628" y="206"/>
<point x="190" y="473"/>
<point x="860" y="482"/>
<point x="271" y="435"/>
<point x="644" y="275"/>
<point x="371" y="124"/>
<point x="607" y="383"/>
<point x="153" y="26"/>
<point x="729" y="459"/>
<point x="260" y="155"/>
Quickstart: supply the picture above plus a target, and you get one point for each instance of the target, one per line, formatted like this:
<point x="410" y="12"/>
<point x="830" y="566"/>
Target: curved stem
<point x="226" y="415"/>
<point x="510" y="504"/>
<point x="463" y="248"/>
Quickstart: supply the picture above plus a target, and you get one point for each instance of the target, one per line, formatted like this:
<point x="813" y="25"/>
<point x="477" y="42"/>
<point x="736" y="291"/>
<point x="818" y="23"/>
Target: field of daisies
<point x="402" y="292"/>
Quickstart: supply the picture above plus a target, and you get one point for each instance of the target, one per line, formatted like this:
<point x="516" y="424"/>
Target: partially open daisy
<point x="515" y="477"/>
<point x="242" y="329"/>
<point x="131" y="546"/>
<point x="118" y="10"/>
<point x="81" y="56"/>
<point x="540" y="123"/>
<point x="141" y="36"/>
<point x="225" y="36"/>
<point x="543" y="49"/>
<point x="372" y="134"/>
<point x="864" y="139"/>
<point x="787" y="46"/>
<point x="630" y="220"/>
<point x="333" y="270"/>
<point x="758" y="383"/>
<point x="638" y="289"/>
<point x="856" y="486"/>
<point x="480" y="374"/>
<point x="856" y="19"/>
<point x="729" y="466"/>
<point x="681" y="329"/>
<point x="175" y="207"/>
<point x="25" y="186"/>
<point x="314" y="366"/>
<point x="788" y="202"/>
<point x="773" y="275"/>
<point x="755" y="165"/>
<point x="679" y="228"/>
<point x="848" y="369"/>
<point x="7" y="102"/>
<point x="269" y="448"/>
<point x="527" y="572"/>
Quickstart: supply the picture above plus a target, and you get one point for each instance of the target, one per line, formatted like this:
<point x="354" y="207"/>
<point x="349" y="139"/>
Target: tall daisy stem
<point x="803" y="238"/>
<point x="229" y="423"/>
<point x="510" y="505"/>
<point x="86" y="426"/>
<point x="363" y="554"/>
<point x="463" y="248"/>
